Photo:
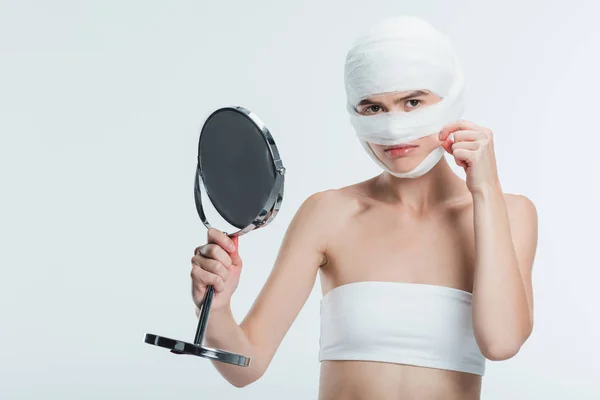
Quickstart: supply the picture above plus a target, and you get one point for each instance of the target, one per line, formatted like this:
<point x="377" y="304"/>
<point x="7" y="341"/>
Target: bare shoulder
<point x="332" y="204"/>
<point x="324" y="212"/>
<point x="336" y="201"/>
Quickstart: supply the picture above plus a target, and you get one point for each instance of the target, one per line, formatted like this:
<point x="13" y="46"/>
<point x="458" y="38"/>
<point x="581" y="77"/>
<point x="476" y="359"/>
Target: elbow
<point x="248" y="381"/>
<point x="240" y="384"/>
<point x="504" y="348"/>
<point x="500" y="351"/>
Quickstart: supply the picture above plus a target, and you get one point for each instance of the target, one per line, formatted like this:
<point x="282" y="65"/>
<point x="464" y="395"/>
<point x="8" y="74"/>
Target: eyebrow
<point x="414" y="93"/>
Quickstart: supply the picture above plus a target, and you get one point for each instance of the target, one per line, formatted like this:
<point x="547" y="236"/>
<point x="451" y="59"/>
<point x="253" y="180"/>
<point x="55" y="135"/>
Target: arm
<point x="505" y="246"/>
<point x="280" y="300"/>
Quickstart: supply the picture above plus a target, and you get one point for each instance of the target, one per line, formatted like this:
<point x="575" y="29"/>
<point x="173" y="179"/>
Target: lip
<point x="399" y="146"/>
<point x="400" y="150"/>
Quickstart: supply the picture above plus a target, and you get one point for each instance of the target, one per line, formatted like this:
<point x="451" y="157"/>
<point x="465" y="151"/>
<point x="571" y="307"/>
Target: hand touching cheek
<point x="473" y="149"/>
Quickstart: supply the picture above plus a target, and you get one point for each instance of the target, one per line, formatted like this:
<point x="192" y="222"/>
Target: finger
<point x="220" y="238"/>
<point x="197" y="260"/>
<point x="235" y="255"/>
<point x="215" y="252"/>
<point x="464" y="155"/>
<point x="464" y="135"/>
<point x="471" y="125"/>
<point x="199" y="289"/>
<point x="202" y="278"/>
<point x="211" y="265"/>
<point x="459" y="162"/>
<point x="447" y="130"/>
<point x="447" y="145"/>
<point x="216" y="267"/>
<point x="465" y="145"/>
<point x="197" y="292"/>
<point x="458" y="125"/>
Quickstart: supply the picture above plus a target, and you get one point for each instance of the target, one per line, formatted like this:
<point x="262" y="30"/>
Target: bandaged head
<point x="401" y="54"/>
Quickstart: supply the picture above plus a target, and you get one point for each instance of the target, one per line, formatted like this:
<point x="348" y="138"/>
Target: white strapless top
<point x="397" y="322"/>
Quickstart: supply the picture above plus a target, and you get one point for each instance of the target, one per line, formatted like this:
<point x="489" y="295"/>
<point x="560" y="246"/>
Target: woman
<point x="424" y="275"/>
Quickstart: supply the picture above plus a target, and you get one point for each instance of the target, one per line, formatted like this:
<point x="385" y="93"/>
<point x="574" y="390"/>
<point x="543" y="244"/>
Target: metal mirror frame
<point x="273" y="203"/>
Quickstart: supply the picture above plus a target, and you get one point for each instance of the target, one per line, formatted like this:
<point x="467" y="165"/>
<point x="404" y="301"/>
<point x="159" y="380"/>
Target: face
<point x="406" y="157"/>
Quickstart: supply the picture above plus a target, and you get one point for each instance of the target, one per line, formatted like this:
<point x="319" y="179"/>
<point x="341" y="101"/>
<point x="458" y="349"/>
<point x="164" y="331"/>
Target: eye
<point x="413" y="103"/>
<point x="373" y="109"/>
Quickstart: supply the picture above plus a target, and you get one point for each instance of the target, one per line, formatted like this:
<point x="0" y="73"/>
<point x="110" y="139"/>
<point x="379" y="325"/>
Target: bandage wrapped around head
<point x="400" y="54"/>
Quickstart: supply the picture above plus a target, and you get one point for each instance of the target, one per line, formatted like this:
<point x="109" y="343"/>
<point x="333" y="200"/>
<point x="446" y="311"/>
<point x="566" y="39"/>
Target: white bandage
<point x="400" y="54"/>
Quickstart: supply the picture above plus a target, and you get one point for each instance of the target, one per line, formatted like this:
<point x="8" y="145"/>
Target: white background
<point x="100" y="109"/>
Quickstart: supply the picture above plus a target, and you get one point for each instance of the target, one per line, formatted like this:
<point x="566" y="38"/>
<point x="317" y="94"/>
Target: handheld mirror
<point x="240" y="170"/>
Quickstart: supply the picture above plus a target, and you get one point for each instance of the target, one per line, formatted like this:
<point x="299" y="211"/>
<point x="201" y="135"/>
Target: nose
<point x="395" y="107"/>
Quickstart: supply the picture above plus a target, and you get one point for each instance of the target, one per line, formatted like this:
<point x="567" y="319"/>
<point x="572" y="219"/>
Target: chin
<point x="402" y="168"/>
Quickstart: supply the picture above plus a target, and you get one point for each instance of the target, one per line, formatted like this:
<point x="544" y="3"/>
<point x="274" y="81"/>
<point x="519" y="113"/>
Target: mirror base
<point x="180" y="347"/>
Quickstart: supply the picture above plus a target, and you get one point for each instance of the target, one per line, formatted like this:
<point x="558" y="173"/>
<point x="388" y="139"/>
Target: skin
<point x="436" y="229"/>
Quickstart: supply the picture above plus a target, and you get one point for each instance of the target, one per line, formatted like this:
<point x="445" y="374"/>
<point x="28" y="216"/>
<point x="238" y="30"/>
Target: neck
<point x="437" y="187"/>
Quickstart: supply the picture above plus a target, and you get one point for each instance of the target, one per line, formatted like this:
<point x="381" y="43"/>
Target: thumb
<point x="235" y="255"/>
<point x="447" y="145"/>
